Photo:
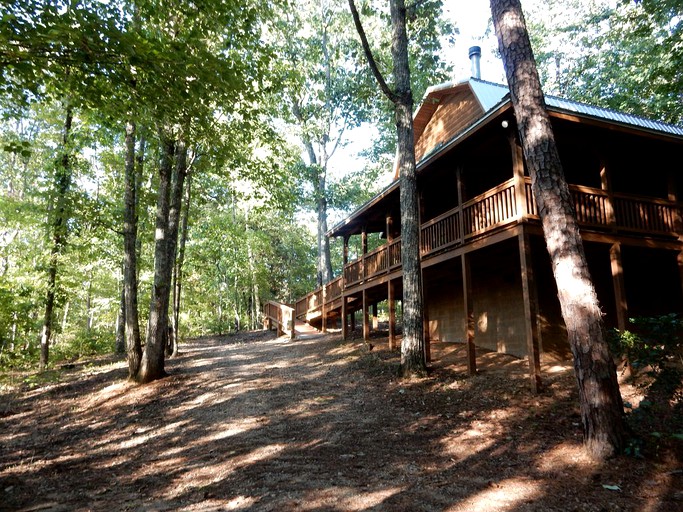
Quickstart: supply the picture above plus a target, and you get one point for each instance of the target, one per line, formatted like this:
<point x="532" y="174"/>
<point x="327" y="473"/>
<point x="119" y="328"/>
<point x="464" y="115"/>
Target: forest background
<point x="256" y="107"/>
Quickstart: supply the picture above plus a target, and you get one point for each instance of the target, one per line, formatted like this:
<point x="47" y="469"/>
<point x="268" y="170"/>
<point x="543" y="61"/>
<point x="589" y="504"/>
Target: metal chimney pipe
<point x="475" y="58"/>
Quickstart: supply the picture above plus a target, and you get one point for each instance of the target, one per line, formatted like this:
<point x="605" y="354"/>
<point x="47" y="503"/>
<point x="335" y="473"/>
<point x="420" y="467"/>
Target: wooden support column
<point x="606" y="185"/>
<point x="518" y="175"/>
<point x="345" y="254"/>
<point x="468" y="304"/>
<point x="323" y="308"/>
<point x="364" y="250"/>
<point x="425" y="331"/>
<point x="366" y="318"/>
<point x="344" y="319"/>
<point x="619" y="288"/>
<point x="460" y="189"/>
<point x="391" y="302"/>
<point x="530" y="312"/>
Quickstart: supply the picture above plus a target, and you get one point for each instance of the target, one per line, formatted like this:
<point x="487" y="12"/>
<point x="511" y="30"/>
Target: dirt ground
<point x="258" y="423"/>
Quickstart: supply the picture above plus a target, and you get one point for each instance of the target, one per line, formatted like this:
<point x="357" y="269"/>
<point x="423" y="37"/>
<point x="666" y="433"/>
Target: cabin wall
<point x="497" y="300"/>
<point x="452" y="116"/>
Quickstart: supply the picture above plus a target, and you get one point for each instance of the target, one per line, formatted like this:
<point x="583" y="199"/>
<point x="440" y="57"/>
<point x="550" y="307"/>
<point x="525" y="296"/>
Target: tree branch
<point x="368" y="54"/>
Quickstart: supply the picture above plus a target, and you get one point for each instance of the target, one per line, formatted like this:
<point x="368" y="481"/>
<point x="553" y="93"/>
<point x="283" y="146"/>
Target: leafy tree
<point x="624" y="55"/>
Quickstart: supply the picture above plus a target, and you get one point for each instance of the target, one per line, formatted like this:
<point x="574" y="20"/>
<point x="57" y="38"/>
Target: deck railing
<point x="281" y="316"/>
<point x="494" y="209"/>
<point x="595" y="207"/>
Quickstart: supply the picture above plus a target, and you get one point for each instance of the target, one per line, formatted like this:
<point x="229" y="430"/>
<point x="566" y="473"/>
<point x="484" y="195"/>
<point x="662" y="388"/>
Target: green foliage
<point x="654" y="342"/>
<point x="624" y="55"/>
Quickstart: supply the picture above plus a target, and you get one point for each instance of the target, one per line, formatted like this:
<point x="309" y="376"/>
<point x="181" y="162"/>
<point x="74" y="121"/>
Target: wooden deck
<point x="601" y="215"/>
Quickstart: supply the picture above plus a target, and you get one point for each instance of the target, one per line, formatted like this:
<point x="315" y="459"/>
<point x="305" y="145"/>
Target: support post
<point x="366" y="319"/>
<point x="530" y="311"/>
<point x="323" y="308"/>
<point x="391" y="301"/>
<point x="619" y="288"/>
<point x="518" y="176"/>
<point x="468" y="304"/>
<point x="364" y="251"/>
<point x="344" y="314"/>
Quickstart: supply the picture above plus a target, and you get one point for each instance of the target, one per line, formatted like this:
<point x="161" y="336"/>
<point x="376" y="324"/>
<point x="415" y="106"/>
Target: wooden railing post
<point x="518" y="175"/>
<point x="606" y="185"/>
<point x="461" y="193"/>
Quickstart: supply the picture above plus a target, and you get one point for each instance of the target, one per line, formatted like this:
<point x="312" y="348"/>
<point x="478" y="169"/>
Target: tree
<point x="413" y="358"/>
<point x="599" y="396"/>
<point x="622" y="55"/>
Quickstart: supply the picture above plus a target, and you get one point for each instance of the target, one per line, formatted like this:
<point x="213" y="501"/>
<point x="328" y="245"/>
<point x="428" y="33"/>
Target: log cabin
<point x="482" y="251"/>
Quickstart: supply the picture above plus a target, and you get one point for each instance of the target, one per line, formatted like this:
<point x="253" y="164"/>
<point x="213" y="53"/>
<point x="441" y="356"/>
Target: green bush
<point x="654" y="342"/>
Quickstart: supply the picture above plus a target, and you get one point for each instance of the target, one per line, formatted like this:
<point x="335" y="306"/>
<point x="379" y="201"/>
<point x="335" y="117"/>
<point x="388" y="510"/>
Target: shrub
<point x="654" y="342"/>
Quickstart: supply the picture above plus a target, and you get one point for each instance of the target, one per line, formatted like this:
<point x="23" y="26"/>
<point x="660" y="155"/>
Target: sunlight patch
<point x="501" y="496"/>
<point x="563" y="456"/>
<point x="346" y="498"/>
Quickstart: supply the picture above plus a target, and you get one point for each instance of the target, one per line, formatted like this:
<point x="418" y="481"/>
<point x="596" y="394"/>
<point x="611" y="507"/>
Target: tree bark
<point x="413" y="355"/>
<point x="171" y="179"/>
<point x="599" y="396"/>
<point x="180" y="260"/>
<point x="120" y="345"/>
<point x="130" y="255"/>
<point x="62" y="185"/>
<point x="413" y="358"/>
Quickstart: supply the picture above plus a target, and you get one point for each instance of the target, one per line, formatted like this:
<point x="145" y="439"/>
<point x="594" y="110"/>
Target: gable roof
<point x="490" y="94"/>
<point x="491" y="99"/>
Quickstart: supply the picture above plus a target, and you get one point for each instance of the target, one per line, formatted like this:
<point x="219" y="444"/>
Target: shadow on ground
<point x="257" y="423"/>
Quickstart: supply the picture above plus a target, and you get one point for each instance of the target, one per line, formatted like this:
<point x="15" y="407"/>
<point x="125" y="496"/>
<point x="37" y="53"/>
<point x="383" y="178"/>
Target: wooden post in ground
<point x="619" y="289"/>
<point x="366" y="319"/>
<point x="323" y="311"/>
<point x="530" y="311"/>
<point x="521" y="199"/>
<point x="468" y="305"/>
<point x="391" y="302"/>
<point x="344" y="314"/>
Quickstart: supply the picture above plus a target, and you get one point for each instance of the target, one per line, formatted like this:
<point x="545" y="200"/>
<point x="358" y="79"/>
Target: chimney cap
<point x="474" y="50"/>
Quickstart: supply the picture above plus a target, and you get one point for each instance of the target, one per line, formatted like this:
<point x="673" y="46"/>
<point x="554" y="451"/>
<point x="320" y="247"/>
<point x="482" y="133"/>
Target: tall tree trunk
<point x="62" y="184"/>
<point x="413" y="354"/>
<point x="180" y="260"/>
<point x="130" y="255"/>
<point x="318" y="167"/>
<point x="324" y="257"/>
<point x="120" y="344"/>
<point x="413" y="343"/>
<point x="599" y="396"/>
<point x="171" y="180"/>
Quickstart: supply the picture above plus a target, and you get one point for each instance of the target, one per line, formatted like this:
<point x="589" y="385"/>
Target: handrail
<point x="626" y="212"/>
<point x="283" y="316"/>
<point x="497" y="207"/>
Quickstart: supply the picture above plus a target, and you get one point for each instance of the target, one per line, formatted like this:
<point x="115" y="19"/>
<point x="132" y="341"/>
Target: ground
<point x="257" y="423"/>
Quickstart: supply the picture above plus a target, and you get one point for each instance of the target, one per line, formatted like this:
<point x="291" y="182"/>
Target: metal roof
<point x="491" y="94"/>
